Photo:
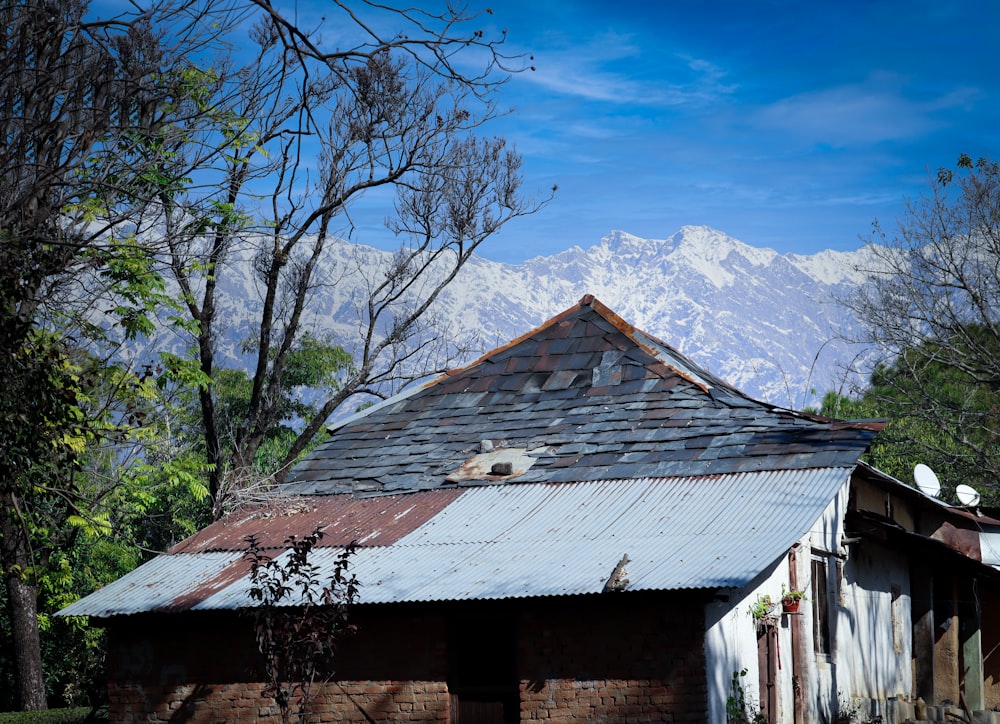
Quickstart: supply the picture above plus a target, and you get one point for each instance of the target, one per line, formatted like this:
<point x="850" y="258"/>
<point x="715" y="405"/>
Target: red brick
<point x="632" y="658"/>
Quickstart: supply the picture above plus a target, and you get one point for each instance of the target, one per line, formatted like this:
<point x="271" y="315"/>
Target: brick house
<point x="576" y="527"/>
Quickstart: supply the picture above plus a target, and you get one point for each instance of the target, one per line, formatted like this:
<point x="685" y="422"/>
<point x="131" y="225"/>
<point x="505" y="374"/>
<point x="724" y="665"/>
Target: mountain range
<point x="768" y="323"/>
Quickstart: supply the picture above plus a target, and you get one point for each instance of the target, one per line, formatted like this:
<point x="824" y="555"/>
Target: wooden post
<point x="947" y="647"/>
<point x="800" y="648"/>
<point x="922" y="620"/>
<point x="970" y="632"/>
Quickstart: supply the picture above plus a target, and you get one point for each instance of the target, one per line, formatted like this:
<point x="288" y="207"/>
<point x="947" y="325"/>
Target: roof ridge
<point x="666" y="354"/>
<point x="587" y="300"/>
<point x="688" y="369"/>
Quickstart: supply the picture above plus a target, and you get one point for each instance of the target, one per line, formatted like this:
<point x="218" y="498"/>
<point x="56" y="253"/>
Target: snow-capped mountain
<point x="768" y="323"/>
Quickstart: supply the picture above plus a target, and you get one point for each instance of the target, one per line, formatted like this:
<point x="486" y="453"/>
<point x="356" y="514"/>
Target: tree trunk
<point x="22" y="605"/>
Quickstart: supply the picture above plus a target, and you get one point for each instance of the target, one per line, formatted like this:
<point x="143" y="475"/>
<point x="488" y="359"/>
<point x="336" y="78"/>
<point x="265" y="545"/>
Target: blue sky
<point x="784" y="123"/>
<point x="791" y="125"/>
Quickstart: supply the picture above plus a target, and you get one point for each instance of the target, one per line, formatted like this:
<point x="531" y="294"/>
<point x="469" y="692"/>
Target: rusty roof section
<point x="585" y="396"/>
<point x="512" y="541"/>
<point x="343" y="519"/>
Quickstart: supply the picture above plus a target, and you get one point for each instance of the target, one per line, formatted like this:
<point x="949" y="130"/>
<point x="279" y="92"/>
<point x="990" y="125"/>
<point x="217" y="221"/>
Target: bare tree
<point x="309" y="133"/>
<point x="933" y="307"/>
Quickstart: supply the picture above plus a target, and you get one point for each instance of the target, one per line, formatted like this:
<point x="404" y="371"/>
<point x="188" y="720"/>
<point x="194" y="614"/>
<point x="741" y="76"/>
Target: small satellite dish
<point x="967" y="495"/>
<point x="926" y="479"/>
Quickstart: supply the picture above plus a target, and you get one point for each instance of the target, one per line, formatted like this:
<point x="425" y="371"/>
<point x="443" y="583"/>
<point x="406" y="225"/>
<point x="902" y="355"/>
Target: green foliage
<point x="761" y="607"/>
<point x="313" y="367"/>
<point x="317" y="364"/>
<point x="792" y="595"/>
<point x="100" y="483"/>
<point x="932" y="307"/>
<point x="78" y="715"/>
<point x="129" y="272"/>
<point x="126" y="158"/>
<point x="68" y="250"/>
<point x="939" y="415"/>
<point x="738" y="709"/>
<point x="40" y="417"/>
<point x="72" y="650"/>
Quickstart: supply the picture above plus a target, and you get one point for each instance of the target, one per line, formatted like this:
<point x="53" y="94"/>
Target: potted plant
<point x="790" y="600"/>
<point x="762" y="607"/>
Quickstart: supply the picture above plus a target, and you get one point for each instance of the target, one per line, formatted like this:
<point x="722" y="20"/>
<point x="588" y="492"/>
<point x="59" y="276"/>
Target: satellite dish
<point x="967" y="495"/>
<point x="927" y="480"/>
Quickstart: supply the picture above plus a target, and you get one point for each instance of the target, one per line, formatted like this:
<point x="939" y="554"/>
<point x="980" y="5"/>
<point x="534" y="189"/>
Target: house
<point x="578" y="527"/>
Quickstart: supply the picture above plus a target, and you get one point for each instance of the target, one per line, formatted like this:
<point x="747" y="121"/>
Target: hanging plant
<point x="790" y="600"/>
<point x="762" y="607"/>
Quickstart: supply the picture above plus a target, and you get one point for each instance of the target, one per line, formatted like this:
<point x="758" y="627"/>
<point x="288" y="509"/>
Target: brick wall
<point x="205" y="668"/>
<point x="359" y="701"/>
<point x="621" y="657"/>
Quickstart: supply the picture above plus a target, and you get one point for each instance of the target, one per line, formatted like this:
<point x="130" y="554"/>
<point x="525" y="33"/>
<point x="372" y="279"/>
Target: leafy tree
<point x="83" y="512"/>
<point x="313" y="369"/>
<point x="933" y="308"/>
<point x="38" y="434"/>
<point x="910" y="437"/>
<point x="144" y="173"/>
<point x="82" y="103"/>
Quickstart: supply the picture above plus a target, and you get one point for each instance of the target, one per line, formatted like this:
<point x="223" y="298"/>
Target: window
<point x="822" y="610"/>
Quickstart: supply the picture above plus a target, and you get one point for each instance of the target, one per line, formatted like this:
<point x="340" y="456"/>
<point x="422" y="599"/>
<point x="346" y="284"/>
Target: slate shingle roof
<point x="583" y="397"/>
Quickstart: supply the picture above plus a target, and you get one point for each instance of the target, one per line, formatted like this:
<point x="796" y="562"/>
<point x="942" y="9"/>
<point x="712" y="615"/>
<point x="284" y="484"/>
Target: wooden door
<point x="767" y="666"/>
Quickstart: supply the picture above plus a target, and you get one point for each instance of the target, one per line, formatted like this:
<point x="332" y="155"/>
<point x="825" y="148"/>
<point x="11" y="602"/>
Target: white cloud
<point x="870" y="112"/>
<point x="585" y="70"/>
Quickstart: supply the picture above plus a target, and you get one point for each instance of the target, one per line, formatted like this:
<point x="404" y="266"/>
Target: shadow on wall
<point x="874" y="635"/>
<point x="731" y="642"/>
<point x="189" y="704"/>
<point x="990" y="601"/>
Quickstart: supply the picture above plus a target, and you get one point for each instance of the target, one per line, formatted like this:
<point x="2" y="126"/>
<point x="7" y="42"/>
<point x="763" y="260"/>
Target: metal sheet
<point x="541" y="540"/>
<point x="166" y="583"/>
<point x="343" y="518"/>
<point x="509" y="541"/>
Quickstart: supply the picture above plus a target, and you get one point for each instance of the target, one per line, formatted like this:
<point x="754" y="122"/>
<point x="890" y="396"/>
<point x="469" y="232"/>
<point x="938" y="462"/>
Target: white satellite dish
<point x="967" y="495"/>
<point x="926" y="479"/>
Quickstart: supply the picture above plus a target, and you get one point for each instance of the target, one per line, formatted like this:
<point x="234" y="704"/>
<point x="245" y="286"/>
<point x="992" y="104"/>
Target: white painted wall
<point x="824" y="674"/>
<point x="867" y="661"/>
<point x="989" y="544"/>
<point x="874" y="628"/>
<point x="731" y="640"/>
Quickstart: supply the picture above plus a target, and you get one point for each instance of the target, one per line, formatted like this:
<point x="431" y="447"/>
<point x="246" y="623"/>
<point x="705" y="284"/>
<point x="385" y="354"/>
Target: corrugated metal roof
<point x="617" y="444"/>
<point x="166" y="583"/>
<point x="343" y="519"/>
<point x="510" y="541"/>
